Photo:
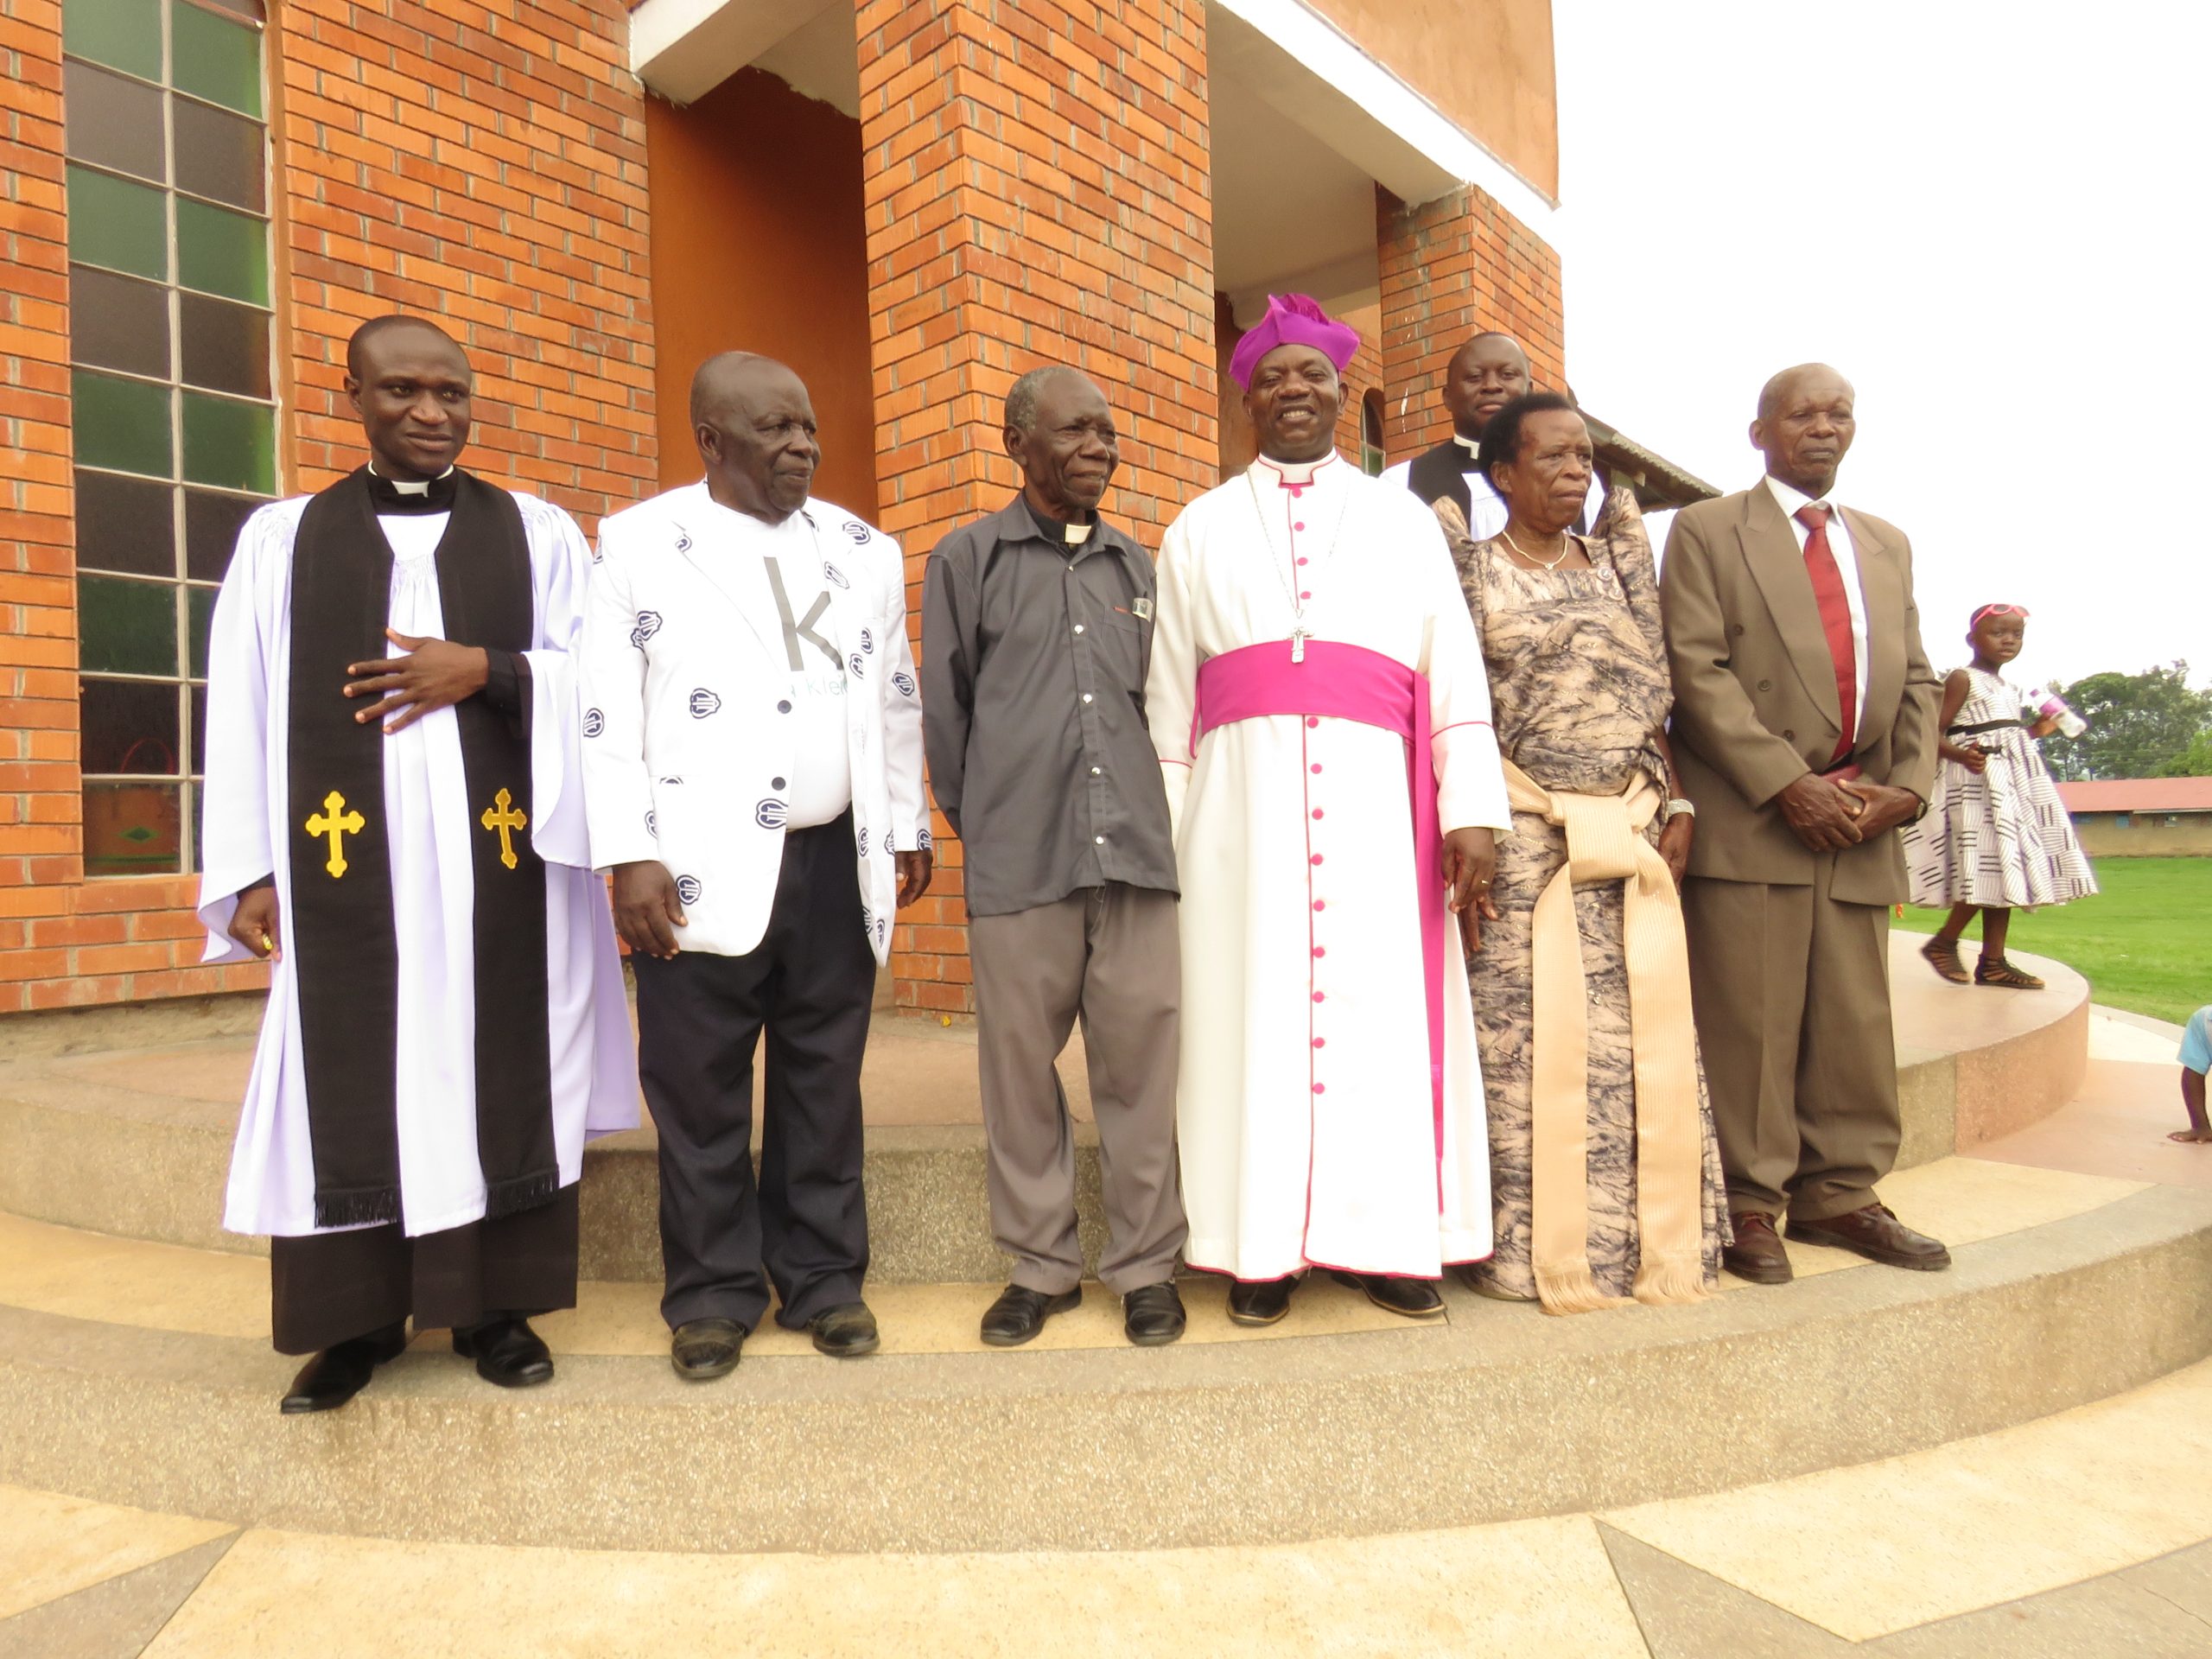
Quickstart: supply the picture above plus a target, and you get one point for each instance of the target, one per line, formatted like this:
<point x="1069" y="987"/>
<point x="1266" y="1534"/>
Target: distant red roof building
<point x="2138" y="795"/>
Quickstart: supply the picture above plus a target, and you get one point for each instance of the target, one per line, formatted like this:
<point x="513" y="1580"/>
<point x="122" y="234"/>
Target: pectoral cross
<point x="333" y="823"/>
<point x="503" y="817"/>
<point x="1298" y="637"/>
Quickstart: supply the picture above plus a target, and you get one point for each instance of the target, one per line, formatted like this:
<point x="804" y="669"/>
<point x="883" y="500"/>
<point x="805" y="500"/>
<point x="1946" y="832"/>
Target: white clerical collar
<point x="409" y="486"/>
<point x="1470" y="444"/>
<point x="1295" y="474"/>
<point x="1795" y="501"/>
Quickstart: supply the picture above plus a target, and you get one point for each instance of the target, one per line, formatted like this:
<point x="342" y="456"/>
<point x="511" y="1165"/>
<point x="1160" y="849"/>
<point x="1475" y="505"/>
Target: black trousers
<point x="326" y="1289"/>
<point x="725" y="1236"/>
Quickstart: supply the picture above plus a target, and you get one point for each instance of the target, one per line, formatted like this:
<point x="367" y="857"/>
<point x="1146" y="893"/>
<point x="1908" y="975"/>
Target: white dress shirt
<point x="1486" y="513"/>
<point x="1793" y="501"/>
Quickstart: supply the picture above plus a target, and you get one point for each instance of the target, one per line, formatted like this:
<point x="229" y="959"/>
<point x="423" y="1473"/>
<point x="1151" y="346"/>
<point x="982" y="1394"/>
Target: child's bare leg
<point x="2192" y="1100"/>
<point x="1995" y="925"/>
<point x="1955" y="924"/>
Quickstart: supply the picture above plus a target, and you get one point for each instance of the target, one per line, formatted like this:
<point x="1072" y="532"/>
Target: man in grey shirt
<point x="1036" y="636"/>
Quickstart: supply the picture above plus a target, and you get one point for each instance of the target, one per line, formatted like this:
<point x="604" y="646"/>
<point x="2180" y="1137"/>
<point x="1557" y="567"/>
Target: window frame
<point x="188" y="681"/>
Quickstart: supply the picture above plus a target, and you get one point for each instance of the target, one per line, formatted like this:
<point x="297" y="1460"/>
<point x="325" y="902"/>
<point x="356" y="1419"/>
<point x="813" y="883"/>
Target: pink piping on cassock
<point x="1352" y="682"/>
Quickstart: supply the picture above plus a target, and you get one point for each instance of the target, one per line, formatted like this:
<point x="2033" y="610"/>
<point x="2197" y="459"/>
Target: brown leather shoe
<point x="1757" y="1255"/>
<point x="1876" y="1234"/>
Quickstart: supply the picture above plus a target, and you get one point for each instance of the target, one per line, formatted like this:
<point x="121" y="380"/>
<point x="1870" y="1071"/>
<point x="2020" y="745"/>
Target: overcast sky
<point x="1990" y="216"/>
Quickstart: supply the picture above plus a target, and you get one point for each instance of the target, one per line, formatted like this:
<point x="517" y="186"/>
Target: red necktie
<point x="1835" y="621"/>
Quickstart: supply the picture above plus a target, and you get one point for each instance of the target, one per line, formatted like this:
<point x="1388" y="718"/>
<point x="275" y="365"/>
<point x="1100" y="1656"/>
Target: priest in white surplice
<point x="395" y="816"/>
<point x="1319" y="702"/>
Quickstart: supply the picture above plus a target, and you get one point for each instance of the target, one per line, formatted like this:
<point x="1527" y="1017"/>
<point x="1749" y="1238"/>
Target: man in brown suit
<point x="1804" y="727"/>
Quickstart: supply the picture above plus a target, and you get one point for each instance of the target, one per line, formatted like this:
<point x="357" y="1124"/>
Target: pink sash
<point x="1351" y="682"/>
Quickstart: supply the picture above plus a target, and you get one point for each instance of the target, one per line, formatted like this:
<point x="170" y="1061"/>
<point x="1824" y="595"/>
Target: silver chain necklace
<point x="1285" y="565"/>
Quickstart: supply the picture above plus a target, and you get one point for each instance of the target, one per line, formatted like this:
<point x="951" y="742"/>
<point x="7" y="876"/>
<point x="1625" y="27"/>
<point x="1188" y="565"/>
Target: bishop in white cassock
<point x="395" y="815"/>
<point x="1319" y="702"/>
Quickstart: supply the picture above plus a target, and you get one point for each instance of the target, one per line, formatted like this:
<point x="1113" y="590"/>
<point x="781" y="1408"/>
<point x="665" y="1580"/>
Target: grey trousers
<point x="1110" y="955"/>
<point x="1792" y="994"/>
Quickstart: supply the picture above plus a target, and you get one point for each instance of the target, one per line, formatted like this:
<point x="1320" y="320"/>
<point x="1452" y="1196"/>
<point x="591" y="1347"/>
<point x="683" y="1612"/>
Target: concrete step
<point x="139" y="1373"/>
<point x="121" y="1120"/>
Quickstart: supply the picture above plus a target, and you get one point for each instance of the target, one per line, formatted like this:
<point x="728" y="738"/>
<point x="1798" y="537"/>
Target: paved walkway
<point x="2086" y="1533"/>
<point x="2082" y="1534"/>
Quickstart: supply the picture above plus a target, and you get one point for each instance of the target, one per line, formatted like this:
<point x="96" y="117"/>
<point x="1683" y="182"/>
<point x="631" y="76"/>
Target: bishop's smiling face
<point x="1293" y="402"/>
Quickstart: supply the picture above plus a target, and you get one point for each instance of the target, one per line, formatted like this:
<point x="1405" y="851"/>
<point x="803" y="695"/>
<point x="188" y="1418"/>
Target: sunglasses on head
<point x="1975" y="620"/>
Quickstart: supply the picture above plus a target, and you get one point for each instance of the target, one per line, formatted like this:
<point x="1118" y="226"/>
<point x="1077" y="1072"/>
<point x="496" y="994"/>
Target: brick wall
<point x="483" y="164"/>
<point x="1452" y="268"/>
<point x="1038" y="190"/>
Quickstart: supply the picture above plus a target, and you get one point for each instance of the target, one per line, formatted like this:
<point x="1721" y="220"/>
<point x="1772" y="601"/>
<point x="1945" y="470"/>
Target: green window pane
<point x="199" y="604"/>
<point x="121" y="33"/>
<point x="214" y="59"/>
<point x="121" y="226"/>
<point x="222" y="252"/>
<point x="121" y="424"/>
<point x="134" y="828"/>
<point x="126" y="628"/>
<point x="231" y="445"/>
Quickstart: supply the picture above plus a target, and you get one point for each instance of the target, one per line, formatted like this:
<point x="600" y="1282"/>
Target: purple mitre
<point x="1292" y="320"/>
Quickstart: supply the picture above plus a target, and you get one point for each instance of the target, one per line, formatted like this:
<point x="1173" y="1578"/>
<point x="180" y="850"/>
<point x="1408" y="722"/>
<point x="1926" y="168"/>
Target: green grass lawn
<point x="2145" y="943"/>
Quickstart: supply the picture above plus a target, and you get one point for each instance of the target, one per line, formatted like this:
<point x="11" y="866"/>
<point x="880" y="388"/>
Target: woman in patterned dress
<point x="1580" y="693"/>
<point x="1996" y="838"/>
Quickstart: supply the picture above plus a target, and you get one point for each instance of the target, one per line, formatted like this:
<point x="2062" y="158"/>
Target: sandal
<point x="1995" y="970"/>
<point x="1942" y="955"/>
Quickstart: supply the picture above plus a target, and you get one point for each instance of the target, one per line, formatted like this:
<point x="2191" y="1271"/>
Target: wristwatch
<point x="1678" y="806"/>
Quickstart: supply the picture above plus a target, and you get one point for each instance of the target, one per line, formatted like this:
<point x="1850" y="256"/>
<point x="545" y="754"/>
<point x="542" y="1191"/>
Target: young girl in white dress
<point x="1996" y="838"/>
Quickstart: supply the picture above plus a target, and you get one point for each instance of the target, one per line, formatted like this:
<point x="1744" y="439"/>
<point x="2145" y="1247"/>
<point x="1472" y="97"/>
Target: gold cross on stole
<point x="333" y="823"/>
<point x="503" y="817"/>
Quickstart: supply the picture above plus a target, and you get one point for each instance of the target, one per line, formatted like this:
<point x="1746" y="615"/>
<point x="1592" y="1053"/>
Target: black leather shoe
<point x="845" y="1331"/>
<point x="702" y="1350"/>
<point x="1020" y="1314"/>
<point x="1260" y="1301"/>
<point x="507" y="1352"/>
<point x="342" y="1370"/>
<point x="1152" y="1315"/>
<point x="1412" y="1299"/>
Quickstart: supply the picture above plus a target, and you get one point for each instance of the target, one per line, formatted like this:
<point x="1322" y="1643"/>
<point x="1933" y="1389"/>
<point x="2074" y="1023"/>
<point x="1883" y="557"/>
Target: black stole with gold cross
<point x="345" y="941"/>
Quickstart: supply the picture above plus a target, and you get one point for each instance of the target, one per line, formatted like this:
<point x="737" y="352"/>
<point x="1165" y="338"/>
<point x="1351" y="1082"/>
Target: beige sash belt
<point x="1605" y="842"/>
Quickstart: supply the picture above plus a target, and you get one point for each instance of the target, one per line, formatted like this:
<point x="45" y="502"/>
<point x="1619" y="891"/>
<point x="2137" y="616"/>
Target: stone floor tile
<point x="1538" y="1588"/>
<point x="2105" y="1618"/>
<point x="1687" y="1614"/>
<point x="52" y="1546"/>
<point x="111" y="1620"/>
<point x="2184" y="1578"/>
<point x="1879" y="1547"/>
<point x="87" y="1276"/>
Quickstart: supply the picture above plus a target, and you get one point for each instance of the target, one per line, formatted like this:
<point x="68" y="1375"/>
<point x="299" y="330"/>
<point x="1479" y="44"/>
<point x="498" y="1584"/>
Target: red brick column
<point x="1038" y="189"/>
<point x="1452" y="268"/>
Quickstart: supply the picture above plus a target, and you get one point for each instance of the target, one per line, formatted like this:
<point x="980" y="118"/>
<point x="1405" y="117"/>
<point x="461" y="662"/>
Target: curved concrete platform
<point x="2067" y="1289"/>
<point x="120" y="1121"/>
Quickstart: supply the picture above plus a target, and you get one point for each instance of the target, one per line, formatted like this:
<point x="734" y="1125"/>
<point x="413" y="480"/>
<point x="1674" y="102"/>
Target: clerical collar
<point x="1295" y="474"/>
<point x="410" y="495"/>
<point x="1059" y="532"/>
<point x="1470" y="445"/>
